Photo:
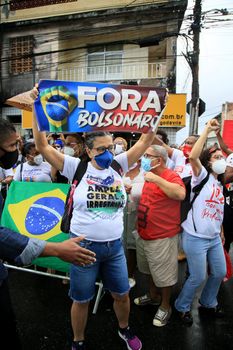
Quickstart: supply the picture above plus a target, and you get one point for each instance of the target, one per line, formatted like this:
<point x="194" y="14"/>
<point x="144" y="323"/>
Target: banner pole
<point x="36" y="272"/>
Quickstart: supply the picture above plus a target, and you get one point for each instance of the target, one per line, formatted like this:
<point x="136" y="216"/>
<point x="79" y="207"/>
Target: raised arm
<point x="55" y="158"/>
<point x="222" y="144"/>
<point x="139" y="148"/>
<point x="212" y="125"/>
<point x="158" y="141"/>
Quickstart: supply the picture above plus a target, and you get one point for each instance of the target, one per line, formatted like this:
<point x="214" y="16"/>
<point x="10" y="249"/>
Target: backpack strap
<point x="82" y="168"/>
<point x="80" y="171"/>
<point x="117" y="167"/>
<point x="78" y="175"/>
<point x="197" y="189"/>
<point x="21" y="171"/>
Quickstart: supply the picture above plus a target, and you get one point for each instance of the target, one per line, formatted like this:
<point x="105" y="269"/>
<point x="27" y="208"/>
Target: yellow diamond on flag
<point x="40" y="215"/>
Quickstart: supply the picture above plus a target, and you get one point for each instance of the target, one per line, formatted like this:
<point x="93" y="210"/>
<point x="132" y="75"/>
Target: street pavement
<point x="42" y="308"/>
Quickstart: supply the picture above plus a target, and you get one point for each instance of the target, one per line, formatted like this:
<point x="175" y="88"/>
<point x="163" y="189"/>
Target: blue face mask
<point x="104" y="159"/>
<point x="146" y="164"/>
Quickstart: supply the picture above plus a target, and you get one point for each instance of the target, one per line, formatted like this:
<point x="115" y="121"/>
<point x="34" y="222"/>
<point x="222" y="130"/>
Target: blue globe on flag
<point x="43" y="215"/>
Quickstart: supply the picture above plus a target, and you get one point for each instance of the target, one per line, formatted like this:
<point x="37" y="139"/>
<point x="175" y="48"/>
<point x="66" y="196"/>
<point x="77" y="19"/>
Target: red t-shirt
<point x="158" y="215"/>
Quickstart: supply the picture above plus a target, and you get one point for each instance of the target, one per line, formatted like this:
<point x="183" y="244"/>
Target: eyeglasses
<point x="102" y="149"/>
<point x="218" y="157"/>
<point x="71" y="144"/>
<point x="147" y="155"/>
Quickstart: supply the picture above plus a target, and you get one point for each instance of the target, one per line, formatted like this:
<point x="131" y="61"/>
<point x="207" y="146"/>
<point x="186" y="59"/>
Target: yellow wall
<point x="72" y="7"/>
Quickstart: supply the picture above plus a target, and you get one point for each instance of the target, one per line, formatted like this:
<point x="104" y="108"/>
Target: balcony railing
<point x="114" y="72"/>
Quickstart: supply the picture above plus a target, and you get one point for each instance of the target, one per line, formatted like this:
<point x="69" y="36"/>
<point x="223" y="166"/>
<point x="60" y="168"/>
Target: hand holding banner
<point x="64" y="106"/>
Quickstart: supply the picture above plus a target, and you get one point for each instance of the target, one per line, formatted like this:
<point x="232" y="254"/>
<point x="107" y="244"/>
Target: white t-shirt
<point x="6" y="172"/>
<point x="170" y="164"/>
<point x="137" y="184"/>
<point x="182" y="168"/>
<point x="207" y="208"/>
<point x="33" y="173"/>
<point x="229" y="160"/>
<point x="98" y="201"/>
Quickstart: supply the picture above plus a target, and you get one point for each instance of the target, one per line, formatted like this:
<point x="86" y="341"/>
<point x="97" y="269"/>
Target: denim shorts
<point x="110" y="267"/>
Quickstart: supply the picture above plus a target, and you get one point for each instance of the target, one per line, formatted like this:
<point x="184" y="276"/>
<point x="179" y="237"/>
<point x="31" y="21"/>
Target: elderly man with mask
<point x="20" y="249"/>
<point x="158" y="228"/>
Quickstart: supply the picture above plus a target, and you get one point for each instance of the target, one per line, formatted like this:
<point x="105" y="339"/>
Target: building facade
<point x="132" y="42"/>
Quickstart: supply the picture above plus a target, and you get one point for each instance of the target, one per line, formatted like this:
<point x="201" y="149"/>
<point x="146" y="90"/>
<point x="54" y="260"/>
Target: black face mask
<point x="9" y="159"/>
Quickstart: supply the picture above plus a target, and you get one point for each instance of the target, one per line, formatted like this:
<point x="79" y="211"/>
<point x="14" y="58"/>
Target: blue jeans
<point x="110" y="267"/>
<point x="198" y="252"/>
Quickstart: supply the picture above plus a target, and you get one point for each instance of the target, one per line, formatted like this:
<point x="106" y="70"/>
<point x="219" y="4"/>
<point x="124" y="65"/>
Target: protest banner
<point x="22" y="101"/>
<point x="64" y="106"/>
<point x="174" y="114"/>
<point x="35" y="210"/>
<point x="228" y="132"/>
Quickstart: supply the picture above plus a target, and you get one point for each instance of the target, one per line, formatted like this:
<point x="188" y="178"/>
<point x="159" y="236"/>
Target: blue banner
<point x="64" y="106"/>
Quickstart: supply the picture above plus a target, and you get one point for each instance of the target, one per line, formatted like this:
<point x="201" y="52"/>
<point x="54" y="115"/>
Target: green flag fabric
<point x="35" y="209"/>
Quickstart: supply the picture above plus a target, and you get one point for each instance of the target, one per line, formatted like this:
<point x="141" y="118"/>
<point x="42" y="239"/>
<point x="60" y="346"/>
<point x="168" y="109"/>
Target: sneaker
<point x="132" y="341"/>
<point x="162" y="317"/>
<point x="146" y="300"/>
<point x="78" y="345"/>
<point x="132" y="282"/>
<point x="211" y="311"/>
<point x="186" y="317"/>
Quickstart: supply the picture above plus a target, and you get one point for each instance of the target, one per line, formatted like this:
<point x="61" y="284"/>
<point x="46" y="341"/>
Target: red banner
<point x="228" y="133"/>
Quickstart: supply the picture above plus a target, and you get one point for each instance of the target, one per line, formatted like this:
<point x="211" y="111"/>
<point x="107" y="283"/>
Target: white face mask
<point x="38" y="159"/>
<point x="68" y="151"/>
<point x="219" y="166"/>
<point x="118" y="149"/>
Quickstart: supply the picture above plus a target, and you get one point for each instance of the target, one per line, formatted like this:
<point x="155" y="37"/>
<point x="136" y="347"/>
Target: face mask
<point x="38" y="159"/>
<point x="68" y="151"/>
<point x="118" y="149"/>
<point x="104" y="159"/>
<point x="187" y="150"/>
<point x="146" y="164"/>
<point x="219" y="166"/>
<point x="9" y="159"/>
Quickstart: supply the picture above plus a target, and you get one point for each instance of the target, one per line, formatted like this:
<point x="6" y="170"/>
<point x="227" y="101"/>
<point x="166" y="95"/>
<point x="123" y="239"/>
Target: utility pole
<point x="194" y="65"/>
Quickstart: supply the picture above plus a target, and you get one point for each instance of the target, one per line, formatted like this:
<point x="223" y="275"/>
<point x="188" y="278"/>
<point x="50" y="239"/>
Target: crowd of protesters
<point x="123" y="213"/>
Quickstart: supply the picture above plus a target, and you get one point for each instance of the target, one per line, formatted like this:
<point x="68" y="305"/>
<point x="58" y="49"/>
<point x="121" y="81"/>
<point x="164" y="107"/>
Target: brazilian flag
<point x="35" y="209"/>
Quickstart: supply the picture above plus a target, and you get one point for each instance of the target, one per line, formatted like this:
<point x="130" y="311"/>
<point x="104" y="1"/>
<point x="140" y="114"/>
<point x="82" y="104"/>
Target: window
<point x="105" y="62"/>
<point x="21" y="50"/>
<point x="25" y="4"/>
